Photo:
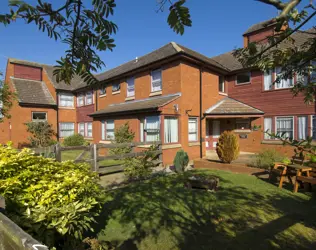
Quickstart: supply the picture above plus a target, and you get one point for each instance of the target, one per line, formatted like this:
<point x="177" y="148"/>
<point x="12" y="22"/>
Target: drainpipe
<point x="57" y="116"/>
<point x="201" y="113"/>
<point x="96" y="100"/>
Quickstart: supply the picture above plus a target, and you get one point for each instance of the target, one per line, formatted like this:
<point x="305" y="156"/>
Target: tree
<point x="6" y="99"/>
<point x="42" y="133"/>
<point x="123" y="134"/>
<point x="86" y="28"/>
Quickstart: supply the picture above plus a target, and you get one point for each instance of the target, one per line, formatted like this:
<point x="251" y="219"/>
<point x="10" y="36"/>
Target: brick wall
<point x="27" y="72"/>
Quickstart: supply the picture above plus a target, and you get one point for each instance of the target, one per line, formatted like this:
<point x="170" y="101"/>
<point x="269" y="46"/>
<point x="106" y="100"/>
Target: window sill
<point x="238" y="131"/>
<point x="223" y="93"/>
<point x="66" y="107"/>
<point x="169" y="146"/>
<point x="191" y="144"/>
<point x="144" y="146"/>
<point x="88" y="138"/>
<point x="102" y="95"/>
<point x="241" y="84"/>
<point x="130" y="98"/>
<point x="116" y="92"/>
<point x="155" y="93"/>
<point x="271" y="90"/>
<point x="105" y="142"/>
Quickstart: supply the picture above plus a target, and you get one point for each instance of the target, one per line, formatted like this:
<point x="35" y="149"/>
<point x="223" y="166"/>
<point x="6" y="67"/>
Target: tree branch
<point x="276" y="3"/>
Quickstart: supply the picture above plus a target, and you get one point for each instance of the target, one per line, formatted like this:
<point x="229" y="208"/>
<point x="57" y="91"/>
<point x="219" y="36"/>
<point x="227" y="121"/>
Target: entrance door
<point x="216" y="131"/>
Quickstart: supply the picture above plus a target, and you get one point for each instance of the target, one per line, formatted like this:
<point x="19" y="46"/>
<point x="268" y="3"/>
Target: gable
<point x="27" y="72"/>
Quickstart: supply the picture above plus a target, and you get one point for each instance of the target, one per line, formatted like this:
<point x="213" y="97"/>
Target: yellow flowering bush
<point x="54" y="201"/>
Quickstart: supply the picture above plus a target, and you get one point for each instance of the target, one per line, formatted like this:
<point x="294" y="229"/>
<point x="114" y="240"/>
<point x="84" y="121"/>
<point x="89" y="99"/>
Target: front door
<point x="216" y="131"/>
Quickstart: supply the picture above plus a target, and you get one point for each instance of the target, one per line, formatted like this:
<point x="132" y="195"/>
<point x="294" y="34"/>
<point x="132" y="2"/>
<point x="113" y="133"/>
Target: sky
<point x="217" y="27"/>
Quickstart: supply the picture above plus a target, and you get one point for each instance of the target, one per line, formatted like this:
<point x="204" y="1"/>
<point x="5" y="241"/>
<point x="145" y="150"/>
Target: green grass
<point x="73" y="154"/>
<point x="245" y="213"/>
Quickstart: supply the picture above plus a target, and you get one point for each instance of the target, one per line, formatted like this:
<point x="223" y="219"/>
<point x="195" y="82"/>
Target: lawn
<point x="73" y="154"/>
<point x="245" y="213"/>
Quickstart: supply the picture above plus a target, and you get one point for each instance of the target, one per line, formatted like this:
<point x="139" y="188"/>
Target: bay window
<point x="66" y="100"/>
<point x="156" y="82"/>
<point x="302" y="127"/>
<point x="267" y="127"/>
<point x="81" y="129"/>
<point x="130" y="87"/>
<point x="282" y="83"/>
<point x="193" y="129"/>
<point x="171" y="129"/>
<point x="285" y="127"/>
<point x="66" y="129"/>
<point x="89" y="97"/>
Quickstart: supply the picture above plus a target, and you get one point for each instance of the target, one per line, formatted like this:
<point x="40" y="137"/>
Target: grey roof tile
<point x="32" y="92"/>
<point x="229" y="106"/>
<point x="138" y="105"/>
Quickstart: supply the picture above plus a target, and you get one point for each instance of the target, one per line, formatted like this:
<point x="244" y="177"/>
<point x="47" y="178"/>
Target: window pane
<point x="313" y="73"/>
<point x="243" y="78"/>
<point x="193" y="129"/>
<point x="102" y="91"/>
<point x="89" y="98"/>
<point x="171" y="129"/>
<point x="81" y="129"/>
<point x="110" y="130"/>
<point x="103" y="130"/>
<point x="302" y="127"/>
<point x="242" y="124"/>
<point x="115" y="87"/>
<point x="80" y="100"/>
<point x="267" y="80"/>
<point x="284" y="127"/>
<point x="89" y="129"/>
<point x="39" y="116"/>
<point x="130" y="87"/>
<point x="66" y="100"/>
<point x="221" y="84"/>
<point x="152" y="128"/>
<point x="66" y="129"/>
<point x="267" y="127"/>
<point x="156" y="83"/>
<point x="142" y="127"/>
<point x="283" y="83"/>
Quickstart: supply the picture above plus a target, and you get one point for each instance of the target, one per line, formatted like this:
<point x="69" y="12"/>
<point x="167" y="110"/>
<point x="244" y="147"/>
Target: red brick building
<point x="173" y="94"/>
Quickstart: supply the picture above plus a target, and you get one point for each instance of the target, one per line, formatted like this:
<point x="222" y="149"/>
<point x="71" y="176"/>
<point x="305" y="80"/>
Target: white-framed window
<point x="66" y="129"/>
<point x="282" y="83"/>
<point x="267" y="124"/>
<point x="302" y="127"/>
<point x="171" y="129"/>
<point x="89" y="97"/>
<point x="80" y="100"/>
<point x="243" y="78"/>
<point x="102" y="91"/>
<point x="107" y="132"/>
<point x="152" y="128"/>
<point x="193" y="129"/>
<point x="81" y="128"/>
<point x="267" y="79"/>
<point x="156" y="80"/>
<point x="314" y="127"/>
<point x="221" y="84"/>
<point x="130" y="87"/>
<point x="242" y="123"/>
<point x="66" y="100"/>
<point x="89" y="129"/>
<point x="116" y="87"/>
<point x="39" y="116"/>
<point x="313" y="72"/>
<point x="285" y="126"/>
<point x="142" y="130"/>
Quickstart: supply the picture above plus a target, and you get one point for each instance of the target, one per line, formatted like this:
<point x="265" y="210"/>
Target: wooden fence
<point x="95" y="158"/>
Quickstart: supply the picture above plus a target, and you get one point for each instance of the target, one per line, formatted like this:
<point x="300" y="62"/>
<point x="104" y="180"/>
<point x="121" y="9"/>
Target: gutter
<point x="57" y="117"/>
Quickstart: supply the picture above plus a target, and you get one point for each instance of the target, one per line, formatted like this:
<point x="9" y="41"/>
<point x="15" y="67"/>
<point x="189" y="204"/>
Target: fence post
<point x="58" y="152"/>
<point x="160" y="155"/>
<point x="95" y="159"/>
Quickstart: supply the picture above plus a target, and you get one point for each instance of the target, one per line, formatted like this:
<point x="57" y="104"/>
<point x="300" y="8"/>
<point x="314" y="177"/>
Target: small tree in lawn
<point x="41" y="133"/>
<point x="122" y="135"/>
<point x="180" y="161"/>
<point x="227" y="147"/>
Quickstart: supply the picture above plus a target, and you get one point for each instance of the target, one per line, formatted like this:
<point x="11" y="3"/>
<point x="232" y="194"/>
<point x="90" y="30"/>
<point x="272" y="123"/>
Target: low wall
<point x="12" y="237"/>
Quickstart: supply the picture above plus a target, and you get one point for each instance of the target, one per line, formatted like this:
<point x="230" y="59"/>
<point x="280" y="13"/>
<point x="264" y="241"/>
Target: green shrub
<point x="123" y="134"/>
<point x="180" y="161"/>
<point x="74" y="140"/>
<point x="140" y="167"/>
<point x="56" y="202"/>
<point x="41" y="134"/>
<point x="267" y="157"/>
<point x="227" y="147"/>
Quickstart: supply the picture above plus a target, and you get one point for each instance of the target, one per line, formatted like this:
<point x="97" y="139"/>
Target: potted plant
<point x="256" y="127"/>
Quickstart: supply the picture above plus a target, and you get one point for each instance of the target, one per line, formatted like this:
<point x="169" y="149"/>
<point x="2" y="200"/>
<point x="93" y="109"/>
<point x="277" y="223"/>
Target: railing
<point x="95" y="159"/>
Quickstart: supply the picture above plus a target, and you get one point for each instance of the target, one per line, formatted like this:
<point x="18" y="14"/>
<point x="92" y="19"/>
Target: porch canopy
<point x="231" y="108"/>
<point x="137" y="106"/>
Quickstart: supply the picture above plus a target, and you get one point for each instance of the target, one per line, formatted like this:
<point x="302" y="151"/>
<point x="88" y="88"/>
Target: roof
<point x="75" y="83"/>
<point x="229" y="61"/>
<point x="229" y="106"/>
<point x="32" y="92"/>
<point x="260" y="26"/>
<point x="164" y="52"/>
<point x="152" y="103"/>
